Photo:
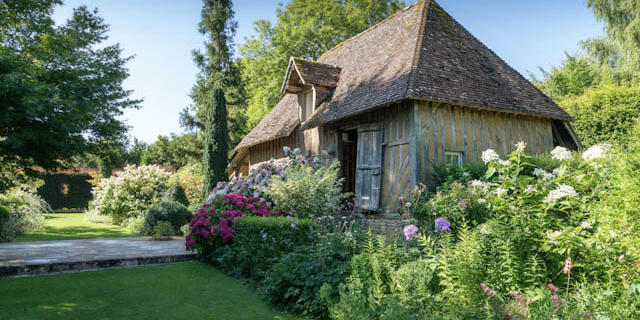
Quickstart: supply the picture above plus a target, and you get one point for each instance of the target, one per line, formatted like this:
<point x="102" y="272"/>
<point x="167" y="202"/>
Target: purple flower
<point x="442" y="225"/>
<point x="409" y="231"/>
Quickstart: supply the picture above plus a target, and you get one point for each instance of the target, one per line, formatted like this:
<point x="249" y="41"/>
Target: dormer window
<point x="311" y="81"/>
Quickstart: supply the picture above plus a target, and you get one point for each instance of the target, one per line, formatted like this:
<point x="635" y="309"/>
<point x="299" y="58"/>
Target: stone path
<point x="44" y="257"/>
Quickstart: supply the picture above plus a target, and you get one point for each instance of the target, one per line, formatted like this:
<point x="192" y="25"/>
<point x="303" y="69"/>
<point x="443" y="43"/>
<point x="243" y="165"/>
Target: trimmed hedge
<point x="66" y="191"/>
<point x="258" y="242"/>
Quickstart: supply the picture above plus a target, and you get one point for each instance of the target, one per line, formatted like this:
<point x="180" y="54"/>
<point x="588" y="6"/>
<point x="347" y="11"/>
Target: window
<point x="306" y="105"/>
<point x="453" y="157"/>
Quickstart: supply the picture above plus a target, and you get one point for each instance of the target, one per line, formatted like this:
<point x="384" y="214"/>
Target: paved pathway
<point x="41" y="257"/>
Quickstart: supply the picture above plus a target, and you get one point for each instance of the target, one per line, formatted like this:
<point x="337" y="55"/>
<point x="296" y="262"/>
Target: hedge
<point x="258" y="242"/>
<point x="66" y="191"/>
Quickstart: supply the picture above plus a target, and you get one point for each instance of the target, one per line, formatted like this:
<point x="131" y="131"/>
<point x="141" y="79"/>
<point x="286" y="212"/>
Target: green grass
<point x="73" y="226"/>
<point x="190" y="290"/>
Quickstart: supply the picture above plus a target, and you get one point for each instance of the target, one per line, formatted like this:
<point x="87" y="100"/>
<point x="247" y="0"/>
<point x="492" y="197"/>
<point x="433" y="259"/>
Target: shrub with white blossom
<point x="128" y="193"/>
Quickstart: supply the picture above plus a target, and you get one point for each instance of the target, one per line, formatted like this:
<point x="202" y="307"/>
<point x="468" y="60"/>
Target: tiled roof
<point x="280" y="122"/>
<point x="421" y="52"/>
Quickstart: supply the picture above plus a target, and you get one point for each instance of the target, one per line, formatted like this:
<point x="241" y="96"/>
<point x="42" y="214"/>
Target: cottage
<point x="413" y="89"/>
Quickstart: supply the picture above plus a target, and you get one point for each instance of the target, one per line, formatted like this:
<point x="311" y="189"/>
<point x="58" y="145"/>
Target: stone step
<point x="23" y="259"/>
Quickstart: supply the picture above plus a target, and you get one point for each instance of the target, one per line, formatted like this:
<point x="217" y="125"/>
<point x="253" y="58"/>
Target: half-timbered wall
<point x="273" y="149"/>
<point x="397" y="179"/>
<point x="444" y="127"/>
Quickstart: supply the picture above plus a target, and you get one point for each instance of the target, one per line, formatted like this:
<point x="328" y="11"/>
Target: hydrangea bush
<point x="129" y="193"/>
<point x="211" y="226"/>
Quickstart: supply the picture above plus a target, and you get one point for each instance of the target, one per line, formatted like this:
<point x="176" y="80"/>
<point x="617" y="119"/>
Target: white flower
<point x="504" y="162"/>
<point x="586" y="225"/>
<point x="560" y="171"/>
<point x="501" y="191"/>
<point x="580" y="178"/>
<point x="544" y="174"/>
<point x="562" y="191"/>
<point x="530" y="189"/>
<point x="466" y="174"/>
<point x="286" y="149"/>
<point x="475" y="183"/>
<point x="482" y="200"/>
<point x="296" y="151"/>
<point x="520" y="146"/>
<point x="597" y="151"/>
<point x="489" y="155"/>
<point x="561" y="153"/>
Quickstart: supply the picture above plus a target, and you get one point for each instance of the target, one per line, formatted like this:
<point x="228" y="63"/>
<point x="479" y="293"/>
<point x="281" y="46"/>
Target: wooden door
<point x="369" y="167"/>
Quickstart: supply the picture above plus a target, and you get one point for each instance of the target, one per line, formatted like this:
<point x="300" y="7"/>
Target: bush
<point x="191" y="179"/>
<point x="163" y="229"/>
<point x="211" y="226"/>
<point x="259" y="242"/>
<point x="129" y="193"/>
<point x="170" y="211"/>
<point x="176" y="193"/>
<point x="22" y="212"/>
<point x="294" y="282"/>
<point x="307" y="191"/>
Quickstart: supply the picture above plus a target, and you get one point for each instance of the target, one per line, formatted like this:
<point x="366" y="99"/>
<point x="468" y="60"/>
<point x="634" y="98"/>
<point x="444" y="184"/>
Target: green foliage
<point x="163" y="229"/>
<point x="446" y="174"/>
<point x="21" y="212"/>
<point x="259" y="242"/>
<point x="307" y="191"/>
<point x="216" y="143"/>
<point x="571" y="79"/>
<point x="605" y="113"/>
<point x="175" y="150"/>
<point x="61" y="85"/>
<point x="264" y="58"/>
<point x="295" y="281"/>
<point x="61" y="190"/>
<point x="620" y="48"/>
<point x="176" y="193"/>
<point x="170" y="211"/>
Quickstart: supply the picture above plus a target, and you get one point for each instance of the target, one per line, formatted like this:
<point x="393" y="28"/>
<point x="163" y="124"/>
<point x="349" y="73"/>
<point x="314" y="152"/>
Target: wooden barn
<point x="413" y="89"/>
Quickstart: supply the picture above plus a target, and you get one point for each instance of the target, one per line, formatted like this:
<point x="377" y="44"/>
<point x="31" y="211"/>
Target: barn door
<point x="369" y="166"/>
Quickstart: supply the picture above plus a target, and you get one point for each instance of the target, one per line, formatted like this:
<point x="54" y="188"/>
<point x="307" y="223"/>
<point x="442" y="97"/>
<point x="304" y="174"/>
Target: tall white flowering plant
<point x="128" y="193"/>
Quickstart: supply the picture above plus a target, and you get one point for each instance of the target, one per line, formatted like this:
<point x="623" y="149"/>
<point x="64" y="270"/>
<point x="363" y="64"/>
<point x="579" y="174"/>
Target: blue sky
<point x="162" y="33"/>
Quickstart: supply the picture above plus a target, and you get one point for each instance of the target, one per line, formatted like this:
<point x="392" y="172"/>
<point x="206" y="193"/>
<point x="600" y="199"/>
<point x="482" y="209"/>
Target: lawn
<point x="73" y="226"/>
<point x="190" y="290"/>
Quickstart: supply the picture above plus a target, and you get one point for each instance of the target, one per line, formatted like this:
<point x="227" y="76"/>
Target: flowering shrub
<point x="558" y="242"/>
<point x="250" y="186"/>
<point x="191" y="179"/>
<point x="130" y="192"/>
<point x="21" y="211"/>
<point x="211" y="226"/>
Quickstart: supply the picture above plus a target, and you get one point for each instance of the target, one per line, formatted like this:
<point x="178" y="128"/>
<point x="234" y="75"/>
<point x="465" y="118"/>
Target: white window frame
<point x="458" y="154"/>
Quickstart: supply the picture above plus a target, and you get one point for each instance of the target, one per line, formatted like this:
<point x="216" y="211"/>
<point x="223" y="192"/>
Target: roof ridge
<point x="419" y="39"/>
<point x="371" y="28"/>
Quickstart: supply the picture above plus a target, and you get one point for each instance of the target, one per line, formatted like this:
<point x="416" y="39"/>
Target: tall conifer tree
<point x="216" y="142"/>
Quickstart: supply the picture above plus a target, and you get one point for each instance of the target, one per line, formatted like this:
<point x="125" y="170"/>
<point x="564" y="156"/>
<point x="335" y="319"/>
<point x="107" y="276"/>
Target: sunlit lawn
<point x="73" y="226"/>
<point x="190" y="290"/>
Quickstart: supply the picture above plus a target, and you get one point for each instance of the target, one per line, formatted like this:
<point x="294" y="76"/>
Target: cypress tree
<point x="216" y="145"/>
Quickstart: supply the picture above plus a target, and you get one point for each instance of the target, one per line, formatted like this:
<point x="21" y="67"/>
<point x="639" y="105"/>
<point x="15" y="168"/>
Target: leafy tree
<point x="60" y="86"/>
<point x="620" y="48"/>
<point x="215" y="146"/>
<point x="304" y="29"/>
<point x="174" y="150"/>
<point x="217" y="68"/>
<point x="605" y="113"/>
<point x="571" y="79"/>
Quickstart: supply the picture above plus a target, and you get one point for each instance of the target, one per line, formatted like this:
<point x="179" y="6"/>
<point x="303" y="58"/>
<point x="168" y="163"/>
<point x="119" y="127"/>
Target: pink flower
<point x="552" y="288"/>
<point x="567" y="266"/>
<point x="409" y="231"/>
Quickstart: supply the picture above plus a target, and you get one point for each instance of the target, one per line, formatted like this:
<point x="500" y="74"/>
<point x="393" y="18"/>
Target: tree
<point x="60" y="86"/>
<point x="304" y="29"/>
<point x="620" y="48"/>
<point x="215" y="146"/>
<point x="217" y="68"/>
<point x="175" y="150"/>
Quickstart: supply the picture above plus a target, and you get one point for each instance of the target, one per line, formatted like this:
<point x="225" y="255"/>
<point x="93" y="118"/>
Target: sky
<point x="161" y="34"/>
